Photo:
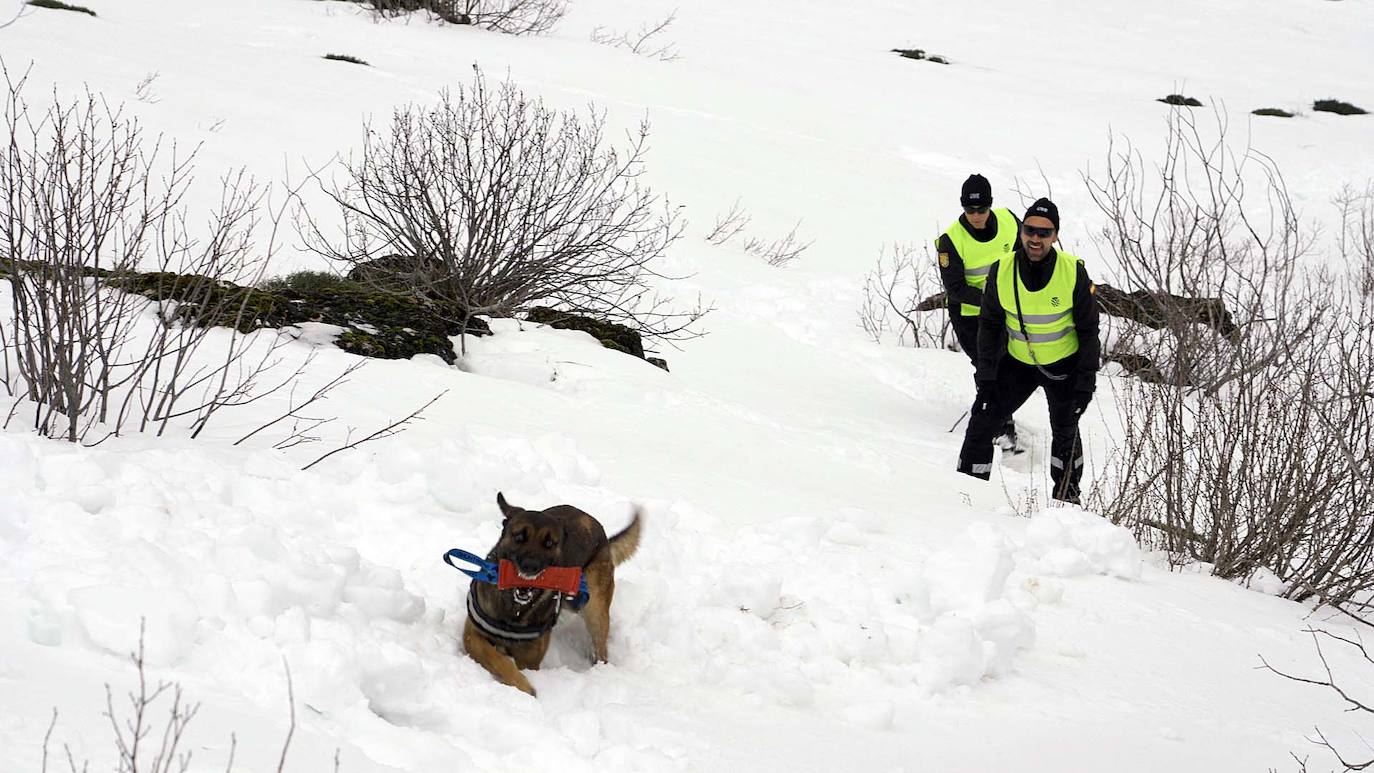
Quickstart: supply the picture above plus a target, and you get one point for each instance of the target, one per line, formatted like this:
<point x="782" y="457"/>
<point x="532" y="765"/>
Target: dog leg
<point x="497" y="663"/>
<point x="529" y="656"/>
<point x="597" y="616"/>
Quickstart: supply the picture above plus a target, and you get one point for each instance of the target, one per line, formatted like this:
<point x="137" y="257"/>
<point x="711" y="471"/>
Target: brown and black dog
<point x="509" y="630"/>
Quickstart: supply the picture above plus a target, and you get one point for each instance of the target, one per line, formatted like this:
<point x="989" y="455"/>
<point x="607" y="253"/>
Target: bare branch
<point x="385" y="432"/>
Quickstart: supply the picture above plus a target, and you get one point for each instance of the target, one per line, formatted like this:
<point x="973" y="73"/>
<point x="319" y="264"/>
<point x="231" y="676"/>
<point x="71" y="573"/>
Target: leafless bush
<point x="1355" y="239"/>
<point x="142" y="744"/>
<point x="1329" y="680"/>
<point x="144" y="90"/>
<point x="84" y="202"/>
<point x="728" y="225"/>
<point x="778" y="252"/>
<point x="1255" y="448"/>
<point x="514" y="17"/>
<point x="643" y="40"/>
<point x="893" y="291"/>
<point x="490" y="203"/>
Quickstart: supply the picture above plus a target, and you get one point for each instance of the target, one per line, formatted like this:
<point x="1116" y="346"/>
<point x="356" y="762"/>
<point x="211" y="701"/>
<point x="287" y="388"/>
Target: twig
<point x="291" y="700"/>
<point x="386" y="431"/>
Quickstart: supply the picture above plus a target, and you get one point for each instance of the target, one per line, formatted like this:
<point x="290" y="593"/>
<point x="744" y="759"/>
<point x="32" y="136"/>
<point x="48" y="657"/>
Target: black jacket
<point x="957" y="290"/>
<point x="992" y="323"/>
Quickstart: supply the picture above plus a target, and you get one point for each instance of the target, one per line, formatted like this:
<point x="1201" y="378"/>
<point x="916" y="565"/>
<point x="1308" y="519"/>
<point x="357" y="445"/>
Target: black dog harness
<point x="497" y="630"/>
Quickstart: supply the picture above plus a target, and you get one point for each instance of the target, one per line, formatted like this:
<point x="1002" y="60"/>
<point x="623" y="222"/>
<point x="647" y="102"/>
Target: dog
<point x="509" y="630"/>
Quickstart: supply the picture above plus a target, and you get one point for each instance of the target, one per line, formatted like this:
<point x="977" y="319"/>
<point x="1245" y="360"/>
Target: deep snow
<point x="817" y="589"/>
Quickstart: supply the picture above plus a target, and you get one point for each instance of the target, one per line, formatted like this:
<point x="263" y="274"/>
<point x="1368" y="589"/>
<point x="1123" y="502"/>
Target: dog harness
<point x="496" y="630"/>
<point x="505" y="577"/>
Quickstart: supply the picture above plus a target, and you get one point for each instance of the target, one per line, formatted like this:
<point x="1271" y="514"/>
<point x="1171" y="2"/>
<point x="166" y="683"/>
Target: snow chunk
<point x="971" y="573"/>
<point x="1068" y="542"/>
<point x="110" y="614"/>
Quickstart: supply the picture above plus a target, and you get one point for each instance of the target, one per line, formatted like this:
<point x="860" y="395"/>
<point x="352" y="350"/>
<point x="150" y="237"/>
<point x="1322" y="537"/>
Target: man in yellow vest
<point x="1037" y="327"/>
<point x="967" y="251"/>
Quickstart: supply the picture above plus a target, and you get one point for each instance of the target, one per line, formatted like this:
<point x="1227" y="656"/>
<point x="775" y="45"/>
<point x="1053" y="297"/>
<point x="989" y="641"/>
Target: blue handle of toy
<point x="485" y="571"/>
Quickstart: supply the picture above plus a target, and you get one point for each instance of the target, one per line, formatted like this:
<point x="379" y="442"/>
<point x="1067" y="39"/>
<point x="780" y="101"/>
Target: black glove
<point x="1081" y="398"/>
<point x="986" y="399"/>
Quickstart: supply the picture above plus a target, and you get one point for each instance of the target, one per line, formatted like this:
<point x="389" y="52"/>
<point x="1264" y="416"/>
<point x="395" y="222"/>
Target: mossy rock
<point x="346" y="58"/>
<point x="376" y="324"/>
<point x="1338" y="107"/>
<point x="610" y="334"/>
<point x="57" y="5"/>
<point x="919" y="55"/>
<point x="1272" y="112"/>
<point x="1180" y="100"/>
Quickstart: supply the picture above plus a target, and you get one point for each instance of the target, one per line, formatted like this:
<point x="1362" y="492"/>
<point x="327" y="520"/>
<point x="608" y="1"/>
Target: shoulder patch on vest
<point x="944" y="260"/>
<point x="1092" y="289"/>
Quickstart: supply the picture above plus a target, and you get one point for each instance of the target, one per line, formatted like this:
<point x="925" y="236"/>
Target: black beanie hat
<point x="1043" y="208"/>
<point x="977" y="192"/>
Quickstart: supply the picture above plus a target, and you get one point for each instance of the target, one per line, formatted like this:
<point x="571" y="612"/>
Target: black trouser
<point x="1016" y="381"/>
<point x="966" y="333"/>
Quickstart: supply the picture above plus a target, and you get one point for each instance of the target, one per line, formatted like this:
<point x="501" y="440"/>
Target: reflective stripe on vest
<point x="1046" y="314"/>
<point x="980" y="257"/>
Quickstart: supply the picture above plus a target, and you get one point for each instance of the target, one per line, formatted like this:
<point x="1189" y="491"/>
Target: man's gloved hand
<point x="1081" y="399"/>
<point x="987" y="396"/>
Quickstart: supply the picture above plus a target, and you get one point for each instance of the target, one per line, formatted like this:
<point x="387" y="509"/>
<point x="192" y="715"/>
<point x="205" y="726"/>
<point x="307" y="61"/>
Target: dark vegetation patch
<point x="57" y="5"/>
<point x="375" y="323"/>
<point x="346" y="58"/>
<point x="1338" y="107"/>
<point x="1273" y="112"/>
<point x="443" y="9"/>
<point x="919" y="54"/>
<point x="1180" y="100"/>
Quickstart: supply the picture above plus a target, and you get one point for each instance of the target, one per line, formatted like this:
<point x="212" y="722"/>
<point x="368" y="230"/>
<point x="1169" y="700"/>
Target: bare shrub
<point x="1329" y="680"/>
<point x="142" y="744"/>
<point x="491" y="203"/>
<point x="893" y="291"/>
<point x="144" y="90"/>
<point x="644" y="41"/>
<point x="728" y="225"/>
<point x="514" y="17"/>
<point x="1355" y="239"/>
<point x="778" y="252"/>
<point x="1253" y="449"/>
<point x="84" y="202"/>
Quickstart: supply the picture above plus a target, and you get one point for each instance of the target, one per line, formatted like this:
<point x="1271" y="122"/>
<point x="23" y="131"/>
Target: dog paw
<point x="523" y="685"/>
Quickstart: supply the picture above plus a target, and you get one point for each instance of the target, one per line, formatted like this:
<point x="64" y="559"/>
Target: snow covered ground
<point x="816" y="589"/>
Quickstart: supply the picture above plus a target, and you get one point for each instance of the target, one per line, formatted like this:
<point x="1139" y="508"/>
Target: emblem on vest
<point x="1054" y="301"/>
<point x="1006" y="247"/>
<point x="944" y="260"/>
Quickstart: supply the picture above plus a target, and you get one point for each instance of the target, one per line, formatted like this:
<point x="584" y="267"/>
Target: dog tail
<point x="626" y="541"/>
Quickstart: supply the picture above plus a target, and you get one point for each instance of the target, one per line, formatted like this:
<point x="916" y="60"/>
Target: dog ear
<point x="505" y="507"/>
<point x="577" y="543"/>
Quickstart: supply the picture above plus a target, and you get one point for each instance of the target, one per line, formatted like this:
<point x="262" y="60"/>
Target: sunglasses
<point x="1043" y="233"/>
<point x="976" y="210"/>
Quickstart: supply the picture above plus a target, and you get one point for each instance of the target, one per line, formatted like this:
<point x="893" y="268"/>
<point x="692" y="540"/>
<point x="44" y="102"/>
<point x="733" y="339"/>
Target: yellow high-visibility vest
<point x="1045" y="325"/>
<point x="980" y="257"/>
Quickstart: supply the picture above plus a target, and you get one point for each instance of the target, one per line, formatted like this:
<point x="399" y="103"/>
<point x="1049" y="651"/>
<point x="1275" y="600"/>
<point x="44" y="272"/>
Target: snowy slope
<point x="816" y="589"/>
